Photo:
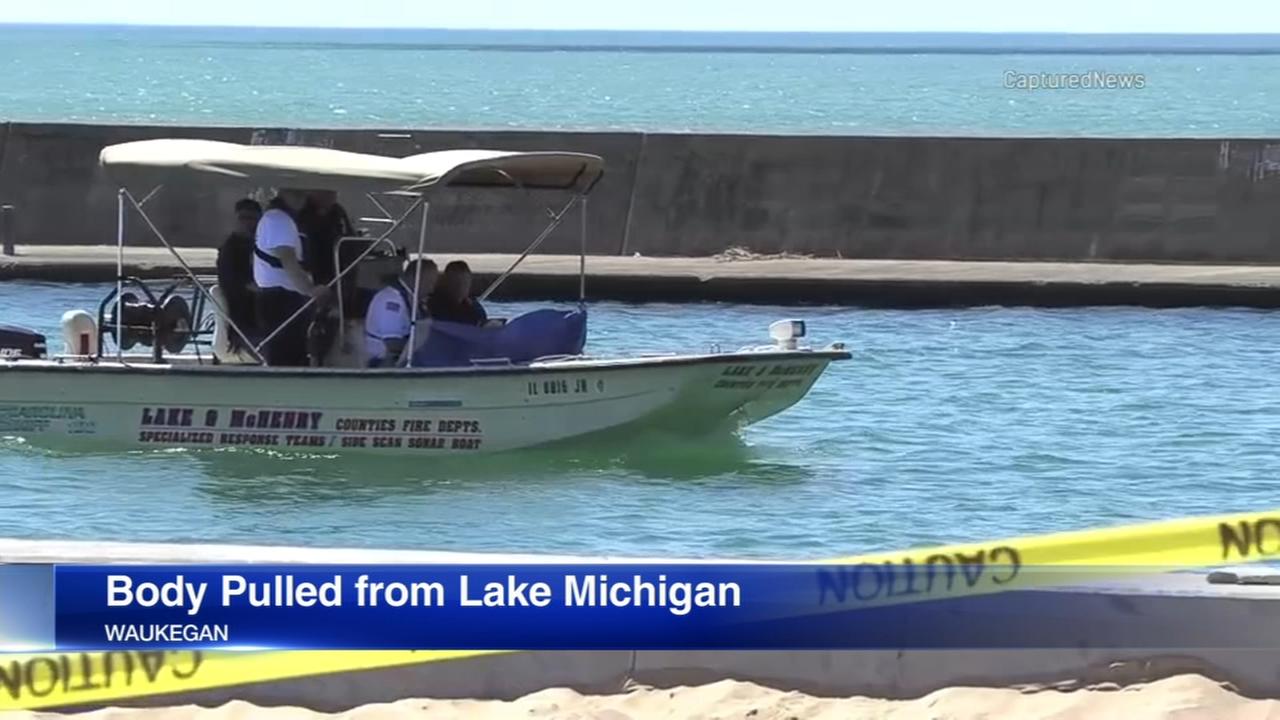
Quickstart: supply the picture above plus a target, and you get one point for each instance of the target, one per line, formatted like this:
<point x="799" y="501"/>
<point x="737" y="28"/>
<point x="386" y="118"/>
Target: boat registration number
<point x="564" y="386"/>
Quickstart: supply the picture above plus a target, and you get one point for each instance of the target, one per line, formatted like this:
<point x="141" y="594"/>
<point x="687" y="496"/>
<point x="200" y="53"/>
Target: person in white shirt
<point x="387" y="323"/>
<point x="283" y="281"/>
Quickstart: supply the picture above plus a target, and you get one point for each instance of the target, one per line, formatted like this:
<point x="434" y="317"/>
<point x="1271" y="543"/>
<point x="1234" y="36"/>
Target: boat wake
<point x="257" y="478"/>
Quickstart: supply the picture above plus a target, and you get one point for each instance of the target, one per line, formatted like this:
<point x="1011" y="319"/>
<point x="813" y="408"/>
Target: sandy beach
<point x="1185" y="697"/>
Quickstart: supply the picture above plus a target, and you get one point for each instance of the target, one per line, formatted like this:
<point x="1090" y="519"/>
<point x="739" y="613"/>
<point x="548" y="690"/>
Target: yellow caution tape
<point x="1190" y="542"/>
<point x="35" y="681"/>
<point x="29" y="682"/>
<point x="1056" y="559"/>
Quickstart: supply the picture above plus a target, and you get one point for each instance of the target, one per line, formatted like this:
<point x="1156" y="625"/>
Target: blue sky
<point x="1220" y="16"/>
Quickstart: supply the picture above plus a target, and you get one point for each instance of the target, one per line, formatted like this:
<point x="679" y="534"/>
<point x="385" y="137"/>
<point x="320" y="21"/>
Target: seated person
<point x="452" y="301"/>
<point x="386" y="326"/>
<point x="235" y="271"/>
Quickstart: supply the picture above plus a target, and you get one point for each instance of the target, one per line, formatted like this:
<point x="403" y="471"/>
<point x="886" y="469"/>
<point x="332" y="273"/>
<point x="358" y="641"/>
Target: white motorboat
<point x="193" y="391"/>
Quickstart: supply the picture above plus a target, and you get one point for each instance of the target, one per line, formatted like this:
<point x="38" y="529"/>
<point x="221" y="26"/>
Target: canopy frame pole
<point x="154" y="191"/>
<point x="582" y="255"/>
<point x="417" y="283"/>
<point x="386" y="213"/>
<point x="342" y="272"/>
<point x="337" y="262"/>
<point x="555" y="222"/>
<point x="120" y="195"/>
<point x="185" y="267"/>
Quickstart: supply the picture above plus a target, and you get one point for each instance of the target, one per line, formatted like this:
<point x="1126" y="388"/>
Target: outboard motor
<point x="19" y="342"/>
<point x="165" y="326"/>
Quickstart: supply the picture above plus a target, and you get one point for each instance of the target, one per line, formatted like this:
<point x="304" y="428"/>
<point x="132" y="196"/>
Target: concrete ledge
<point x="881" y="674"/>
<point x="869" y="283"/>
<point x="695" y="194"/>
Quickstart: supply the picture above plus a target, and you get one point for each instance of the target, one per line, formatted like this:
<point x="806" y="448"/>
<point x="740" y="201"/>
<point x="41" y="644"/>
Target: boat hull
<point x="450" y="411"/>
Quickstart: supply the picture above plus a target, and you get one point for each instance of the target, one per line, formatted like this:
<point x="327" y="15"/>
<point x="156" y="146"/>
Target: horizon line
<point x="1057" y="33"/>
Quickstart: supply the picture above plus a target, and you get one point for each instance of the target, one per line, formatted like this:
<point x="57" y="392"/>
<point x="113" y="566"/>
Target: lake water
<point x="948" y="425"/>
<point x="608" y="81"/>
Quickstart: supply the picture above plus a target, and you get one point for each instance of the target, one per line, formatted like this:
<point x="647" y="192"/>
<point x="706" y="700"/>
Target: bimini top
<point x="148" y="163"/>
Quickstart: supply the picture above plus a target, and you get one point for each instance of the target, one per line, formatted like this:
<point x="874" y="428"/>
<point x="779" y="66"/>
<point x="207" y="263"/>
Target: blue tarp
<point x="530" y="336"/>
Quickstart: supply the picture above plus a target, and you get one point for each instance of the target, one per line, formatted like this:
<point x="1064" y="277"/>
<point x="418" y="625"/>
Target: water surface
<point x="661" y="82"/>
<point x="948" y="425"/>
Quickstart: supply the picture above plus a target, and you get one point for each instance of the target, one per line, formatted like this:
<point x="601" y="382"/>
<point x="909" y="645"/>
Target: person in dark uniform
<point x="452" y="301"/>
<point x="322" y="221"/>
<point x="235" y="271"/>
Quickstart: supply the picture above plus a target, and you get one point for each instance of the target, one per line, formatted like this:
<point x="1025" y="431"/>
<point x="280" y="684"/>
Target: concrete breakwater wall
<point x="1205" y="201"/>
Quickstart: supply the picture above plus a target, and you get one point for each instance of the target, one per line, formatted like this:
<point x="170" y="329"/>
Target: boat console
<point x="365" y="266"/>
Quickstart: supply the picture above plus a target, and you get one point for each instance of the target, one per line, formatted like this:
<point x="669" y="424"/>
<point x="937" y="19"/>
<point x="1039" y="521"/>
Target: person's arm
<point x="395" y="348"/>
<point x="288" y="258"/>
<point x="348" y="227"/>
<point x="278" y="236"/>
<point x="223" y="265"/>
<point x="405" y="352"/>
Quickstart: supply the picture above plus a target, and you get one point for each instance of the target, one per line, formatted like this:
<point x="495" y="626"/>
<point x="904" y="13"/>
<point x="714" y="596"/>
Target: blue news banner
<point x="589" y="607"/>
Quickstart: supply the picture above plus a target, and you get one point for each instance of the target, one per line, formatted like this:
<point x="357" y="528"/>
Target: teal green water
<point x="422" y="79"/>
<point x="948" y="425"/>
